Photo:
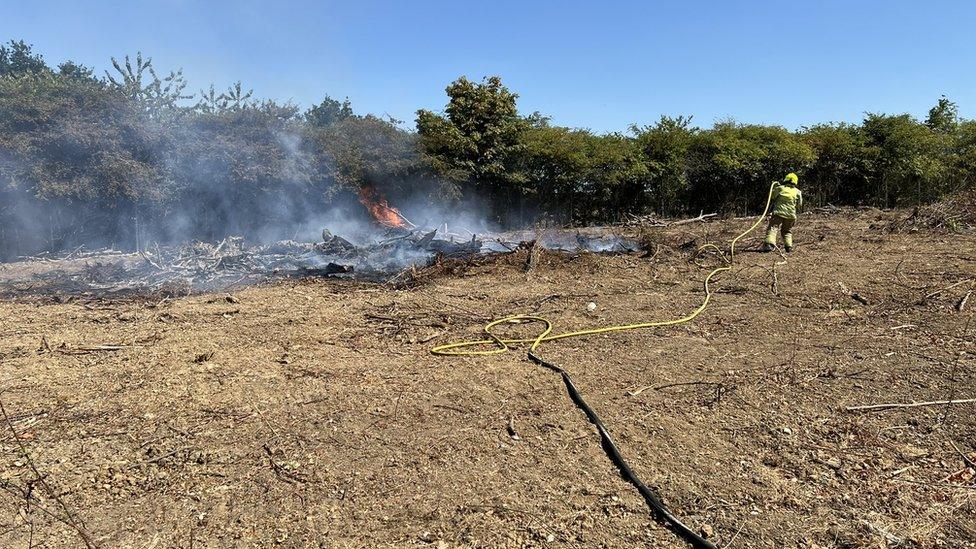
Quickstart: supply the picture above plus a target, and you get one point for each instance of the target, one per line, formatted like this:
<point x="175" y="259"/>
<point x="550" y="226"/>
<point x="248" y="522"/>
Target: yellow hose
<point x="462" y="348"/>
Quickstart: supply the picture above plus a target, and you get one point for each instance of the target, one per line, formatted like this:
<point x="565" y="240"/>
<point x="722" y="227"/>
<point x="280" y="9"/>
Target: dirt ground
<point x="312" y="413"/>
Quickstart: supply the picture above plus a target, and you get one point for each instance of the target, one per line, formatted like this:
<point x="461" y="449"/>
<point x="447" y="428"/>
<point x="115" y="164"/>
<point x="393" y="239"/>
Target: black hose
<point x="653" y="501"/>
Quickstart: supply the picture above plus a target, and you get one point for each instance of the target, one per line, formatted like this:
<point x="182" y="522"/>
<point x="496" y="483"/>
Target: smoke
<point x="207" y="195"/>
<point x="138" y="181"/>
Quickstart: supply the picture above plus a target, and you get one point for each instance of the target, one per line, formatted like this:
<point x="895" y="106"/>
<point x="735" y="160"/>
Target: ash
<point x="232" y="263"/>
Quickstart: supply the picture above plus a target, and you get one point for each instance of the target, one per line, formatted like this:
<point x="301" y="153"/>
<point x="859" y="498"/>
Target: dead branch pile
<point x="954" y="213"/>
<point x="201" y="266"/>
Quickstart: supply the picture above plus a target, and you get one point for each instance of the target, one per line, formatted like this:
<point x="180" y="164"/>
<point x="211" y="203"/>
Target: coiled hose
<point x="503" y="345"/>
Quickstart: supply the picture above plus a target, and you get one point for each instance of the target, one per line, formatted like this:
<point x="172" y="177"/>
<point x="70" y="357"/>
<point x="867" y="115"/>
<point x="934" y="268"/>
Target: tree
<point x="236" y="98"/>
<point x="731" y="165"/>
<point x="965" y="155"/>
<point x="943" y="117"/>
<point x="664" y="147"/>
<point x="905" y="159"/>
<point x="76" y="160"/>
<point x="367" y="151"/>
<point x="556" y="163"/>
<point x="71" y="138"/>
<point x="141" y="84"/>
<point x="328" y="112"/>
<point x="477" y="143"/>
<point x="838" y="172"/>
<point x="18" y="58"/>
<point x="70" y="69"/>
<point x="615" y="180"/>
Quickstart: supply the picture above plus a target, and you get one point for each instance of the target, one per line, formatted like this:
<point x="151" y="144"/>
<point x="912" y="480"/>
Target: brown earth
<point x="312" y="413"/>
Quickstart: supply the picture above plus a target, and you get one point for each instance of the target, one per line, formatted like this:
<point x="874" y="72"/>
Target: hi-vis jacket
<point x="786" y="200"/>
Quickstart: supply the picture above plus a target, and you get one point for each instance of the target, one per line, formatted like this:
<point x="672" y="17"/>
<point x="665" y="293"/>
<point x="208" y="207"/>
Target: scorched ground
<point x="310" y="412"/>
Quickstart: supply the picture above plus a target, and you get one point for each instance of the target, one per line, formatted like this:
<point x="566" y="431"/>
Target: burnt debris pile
<point x="232" y="263"/>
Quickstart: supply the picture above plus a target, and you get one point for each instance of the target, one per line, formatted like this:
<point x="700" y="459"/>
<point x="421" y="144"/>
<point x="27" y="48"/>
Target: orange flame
<point x="384" y="214"/>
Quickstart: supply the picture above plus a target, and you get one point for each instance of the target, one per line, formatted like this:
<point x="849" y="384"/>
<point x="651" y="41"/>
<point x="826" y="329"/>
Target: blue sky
<point x="601" y="65"/>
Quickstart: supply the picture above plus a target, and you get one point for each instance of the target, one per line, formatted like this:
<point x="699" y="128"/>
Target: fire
<point x="384" y="214"/>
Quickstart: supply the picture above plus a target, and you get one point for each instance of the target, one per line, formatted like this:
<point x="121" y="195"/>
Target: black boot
<point x="766" y="247"/>
<point x="789" y="249"/>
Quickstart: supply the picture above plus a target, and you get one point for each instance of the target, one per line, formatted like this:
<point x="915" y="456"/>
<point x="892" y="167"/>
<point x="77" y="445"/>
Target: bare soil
<point x="312" y="413"/>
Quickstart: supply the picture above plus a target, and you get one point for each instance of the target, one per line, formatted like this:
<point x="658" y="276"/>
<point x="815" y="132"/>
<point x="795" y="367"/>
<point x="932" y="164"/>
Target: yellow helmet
<point x="791" y="178"/>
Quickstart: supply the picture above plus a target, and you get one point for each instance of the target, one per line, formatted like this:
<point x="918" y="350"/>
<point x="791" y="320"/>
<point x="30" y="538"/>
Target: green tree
<point x="615" y="179"/>
<point x="367" y="151"/>
<point x="905" y="159"/>
<point x="731" y="164"/>
<point x="18" y="58"/>
<point x="477" y="142"/>
<point x="943" y="117"/>
<point x="838" y="173"/>
<point x="70" y="69"/>
<point x="665" y="147"/>
<point x="142" y="84"/>
<point x="71" y="138"/>
<point x="328" y="112"/>
<point x="555" y="162"/>
<point x="77" y="160"/>
<point x="965" y="155"/>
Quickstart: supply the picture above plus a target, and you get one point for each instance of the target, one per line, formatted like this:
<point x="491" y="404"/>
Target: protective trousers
<point x="784" y="226"/>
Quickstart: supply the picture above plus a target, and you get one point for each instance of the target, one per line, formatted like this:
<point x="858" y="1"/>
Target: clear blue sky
<point x="601" y="65"/>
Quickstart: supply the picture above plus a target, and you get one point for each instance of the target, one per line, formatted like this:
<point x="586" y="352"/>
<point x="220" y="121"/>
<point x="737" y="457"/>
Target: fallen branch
<point x="908" y="405"/>
<point x="89" y="349"/>
<point x="701" y="217"/>
<point x="648" y="220"/>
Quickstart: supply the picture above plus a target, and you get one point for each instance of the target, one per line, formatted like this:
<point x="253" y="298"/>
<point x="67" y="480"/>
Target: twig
<point x="908" y="405"/>
<point x="284" y="474"/>
<point x="636" y="392"/>
<point x="39" y="478"/>
<point x="891" y="538"/>
<point x="900" y="471"/>
<point x="952" y="375"/>
<point x="951" y="286"/>
<point x="88" y="349"/>
<point x="962" y="302"/>
<point x="659" y="387"/>
<point x="734" y="536"/>
<point x="167" y="455"/>
<point x="853" y="295"/>
<point x="964" y="457"/>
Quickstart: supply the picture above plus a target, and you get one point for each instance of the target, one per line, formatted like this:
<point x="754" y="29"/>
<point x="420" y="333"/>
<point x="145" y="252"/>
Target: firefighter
<point x="787" y="199"/>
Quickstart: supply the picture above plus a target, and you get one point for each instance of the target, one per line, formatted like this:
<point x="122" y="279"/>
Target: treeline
<point x="131" y="156"/>
<point x="671" y="167"/>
